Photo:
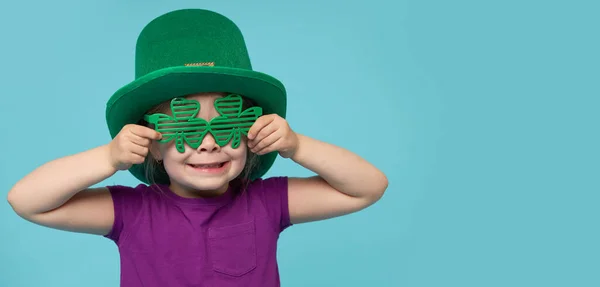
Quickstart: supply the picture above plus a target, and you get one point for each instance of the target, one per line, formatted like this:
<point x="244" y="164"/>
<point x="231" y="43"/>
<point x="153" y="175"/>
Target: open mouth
<point x="212" y="165"/>
<point x="209" y="167"/>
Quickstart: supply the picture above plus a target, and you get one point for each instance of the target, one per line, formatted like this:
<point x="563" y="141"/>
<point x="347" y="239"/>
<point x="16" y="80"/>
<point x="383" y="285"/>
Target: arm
<point x="345" y="183"/>
<point x="57" y="194"/>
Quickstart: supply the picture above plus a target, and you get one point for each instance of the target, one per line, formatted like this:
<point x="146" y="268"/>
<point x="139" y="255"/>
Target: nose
<point x="208" y="144"/>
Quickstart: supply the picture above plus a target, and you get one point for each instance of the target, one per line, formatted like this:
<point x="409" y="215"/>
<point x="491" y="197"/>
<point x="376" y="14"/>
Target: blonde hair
<point x="152" y="166"/>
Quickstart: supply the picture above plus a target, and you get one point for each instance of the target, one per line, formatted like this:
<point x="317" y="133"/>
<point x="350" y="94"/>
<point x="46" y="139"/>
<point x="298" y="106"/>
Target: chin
<point x="208" y="184"/>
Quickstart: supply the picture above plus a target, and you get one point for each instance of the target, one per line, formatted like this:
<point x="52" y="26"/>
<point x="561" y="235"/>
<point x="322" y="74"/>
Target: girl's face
<point x="207" y="170"/>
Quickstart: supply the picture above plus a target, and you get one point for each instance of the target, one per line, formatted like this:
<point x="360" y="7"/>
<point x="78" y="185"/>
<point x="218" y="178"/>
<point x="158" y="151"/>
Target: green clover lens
<point x="184" y="127"/>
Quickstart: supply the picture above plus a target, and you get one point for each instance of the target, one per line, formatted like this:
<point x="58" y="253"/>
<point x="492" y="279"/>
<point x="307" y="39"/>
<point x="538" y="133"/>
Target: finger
<point x="264" y="133"/>
<point x="138" y="150"/>
<point x="267" y="141"/>
<point x="259" y="124"/>
<point x="269" y="148"/>
<point x="138" y="140"/>
<point x="137" y="159"/>
<point x="145" y="132"/>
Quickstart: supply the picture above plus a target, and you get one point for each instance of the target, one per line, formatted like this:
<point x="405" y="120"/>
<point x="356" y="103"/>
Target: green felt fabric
<point x="192" y="51"/>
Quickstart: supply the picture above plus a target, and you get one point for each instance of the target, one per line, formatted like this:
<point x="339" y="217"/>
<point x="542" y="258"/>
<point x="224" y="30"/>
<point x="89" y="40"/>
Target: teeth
<point x="206" y="165"/>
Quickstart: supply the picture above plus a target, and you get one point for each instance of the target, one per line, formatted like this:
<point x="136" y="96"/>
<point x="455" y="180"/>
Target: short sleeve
<point x="127" y="203"/>
<point x="274" y="196"/>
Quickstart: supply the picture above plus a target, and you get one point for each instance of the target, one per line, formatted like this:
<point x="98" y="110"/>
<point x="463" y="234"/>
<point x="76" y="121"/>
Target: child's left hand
<point x="272" y="133"/>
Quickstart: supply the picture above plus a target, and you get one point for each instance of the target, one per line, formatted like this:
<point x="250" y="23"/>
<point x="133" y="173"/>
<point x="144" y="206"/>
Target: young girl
<point x="200" y="128"/>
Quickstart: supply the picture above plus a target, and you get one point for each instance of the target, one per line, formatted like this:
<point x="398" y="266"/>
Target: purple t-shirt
<point x="230" y="240"/>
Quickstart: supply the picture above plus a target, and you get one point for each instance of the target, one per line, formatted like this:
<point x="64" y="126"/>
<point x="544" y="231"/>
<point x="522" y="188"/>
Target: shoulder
<point x="129" y="203"/>
<point x="125" y="188"/>
<point x="274" y="184"/>
<point x="272" y="194"/>
<point x="130" y="192"/>
<point x="267" y="189"/>
<point x="136" y="196"/>
<point x="128" y="199"/>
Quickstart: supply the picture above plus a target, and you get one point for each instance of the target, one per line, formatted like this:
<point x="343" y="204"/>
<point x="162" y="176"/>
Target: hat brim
<point x="129" y="104"/>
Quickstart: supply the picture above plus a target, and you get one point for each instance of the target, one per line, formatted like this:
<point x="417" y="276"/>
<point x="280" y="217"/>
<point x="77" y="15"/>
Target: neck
<point x="189" y="192"/>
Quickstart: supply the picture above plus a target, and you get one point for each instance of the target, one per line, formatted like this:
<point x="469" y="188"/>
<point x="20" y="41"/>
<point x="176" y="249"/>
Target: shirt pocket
<point x="232" y="249"/>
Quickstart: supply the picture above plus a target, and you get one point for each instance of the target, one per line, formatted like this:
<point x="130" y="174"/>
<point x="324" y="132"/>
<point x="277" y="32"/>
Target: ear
<point x="155" y="151"/>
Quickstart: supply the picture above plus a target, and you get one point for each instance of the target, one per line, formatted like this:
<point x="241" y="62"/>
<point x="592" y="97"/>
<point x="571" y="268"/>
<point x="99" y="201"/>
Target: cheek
<point x="171" y="155"/>
<point x="239" y="152"/>
<point x="164" y="148"/>
<point x="238" y="155"/>
<point x="168" y="149"/>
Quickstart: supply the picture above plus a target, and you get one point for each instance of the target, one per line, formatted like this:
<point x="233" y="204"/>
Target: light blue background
<point x="483" y="114"/>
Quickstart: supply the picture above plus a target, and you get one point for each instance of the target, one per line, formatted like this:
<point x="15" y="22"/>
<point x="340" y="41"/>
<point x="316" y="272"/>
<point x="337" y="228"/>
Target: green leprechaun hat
<point x="185" y="52"/>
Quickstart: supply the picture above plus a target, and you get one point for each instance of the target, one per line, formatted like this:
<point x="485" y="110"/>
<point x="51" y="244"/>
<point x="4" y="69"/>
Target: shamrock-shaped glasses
<point x="184" y="127"/>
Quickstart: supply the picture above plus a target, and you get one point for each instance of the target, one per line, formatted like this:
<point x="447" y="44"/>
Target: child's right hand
<point x="131" y="145"/>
